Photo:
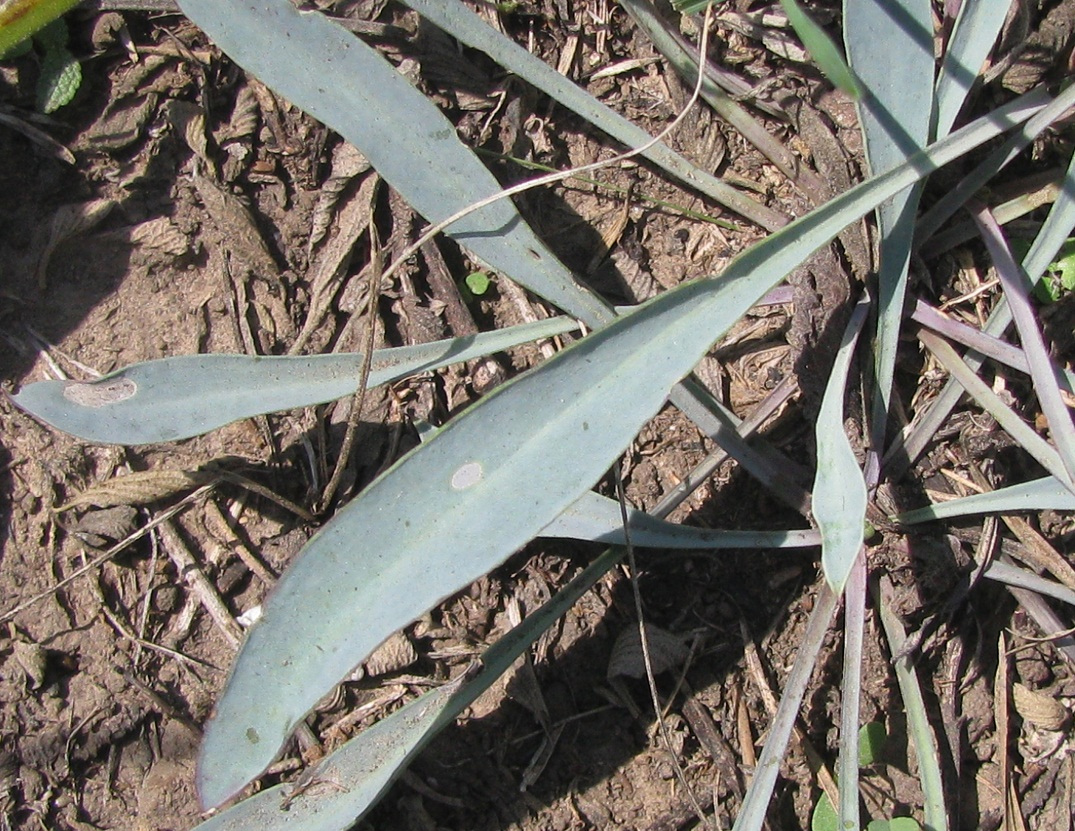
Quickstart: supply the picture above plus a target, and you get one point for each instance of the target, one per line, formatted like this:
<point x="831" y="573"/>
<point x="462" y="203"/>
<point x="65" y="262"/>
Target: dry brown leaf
<point x="347" y="163"/>
<point x="665" y="649"/>
<point x="70" y="221"/>
<point x="188" y="120"/>
<point x="244" y="120"/>
<point x="162" y="235"/>
<point x="1039" y="709"/>
<point x="137" y="488"/>
<point x="237" y="228"/>
<point x="394" y="654"/>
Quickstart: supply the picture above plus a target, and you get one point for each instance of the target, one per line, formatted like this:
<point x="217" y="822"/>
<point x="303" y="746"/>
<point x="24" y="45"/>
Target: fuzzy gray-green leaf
<point x="176" y="398"/>
<point x="436" y="520"/>
<point x="1045" y="494"/>
<point x="347" y="85"/>
<point x="839" y="489"/>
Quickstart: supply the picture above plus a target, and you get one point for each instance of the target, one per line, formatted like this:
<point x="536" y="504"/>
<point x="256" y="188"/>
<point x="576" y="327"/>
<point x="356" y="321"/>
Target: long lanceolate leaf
<point x="437" y="520"/>
<point x="839" y="489"/>
<point x="465" y="26"/>
<point x="890" y="46"/>
<point x="335" y="77"/>
<point x="176" y="398"/>
<point x="1046" y="494"/>
<point x="976" y="28"/>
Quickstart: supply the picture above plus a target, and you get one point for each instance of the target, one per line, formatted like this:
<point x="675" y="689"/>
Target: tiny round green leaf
<point x="478" y="282"/>
<point x="872" y="738"/>
<point x="824" y="817"/>
<point x="894" y="824"/>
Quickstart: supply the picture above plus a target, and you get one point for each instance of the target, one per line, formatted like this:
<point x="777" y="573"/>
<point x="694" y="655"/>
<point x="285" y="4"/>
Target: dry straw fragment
<point x="138" y="489"/>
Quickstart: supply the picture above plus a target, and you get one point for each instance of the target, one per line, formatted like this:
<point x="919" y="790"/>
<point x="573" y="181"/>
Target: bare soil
<point x="194" y="218"/>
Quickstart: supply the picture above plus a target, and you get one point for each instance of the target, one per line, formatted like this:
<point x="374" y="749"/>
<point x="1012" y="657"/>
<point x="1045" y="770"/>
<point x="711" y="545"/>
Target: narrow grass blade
<point x="890" y="46"/>
<point x="352" y="89"/>
<point x="822" y="49"/>
<point x="975" y="31"/>
<point x="1042" y="369"/>
<point x="1011" y="575"/>
<point x="1045" y="494"/>
<point x="1030" y="441"/>
<point x="644" y="13"/>
<point x="925" y="744"/>
<point x="467" y="27"/>
<point x="930" y="222"/>
<point x="756" y="802"/>
<point x="176" y="398"/>
<point x="851" y="693"/>
<point x="435" y="521"/>
<point x="1056" y="229"/>
<point x="597" y="518"/>
<point x="839" y="489"/>
<point x="359" y="772"/>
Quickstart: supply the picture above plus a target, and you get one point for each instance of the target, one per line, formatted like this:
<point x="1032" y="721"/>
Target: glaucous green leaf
<point x="839" y="488"/>
<point x="352" y="89"/>
<point x="597" y="518"/>
<point x="975" y="31"/>
<point x="890" y="47"/>
<point x="436" y="520"/>
<point x="176" y="398"/>
<point x="1045" y="494"/>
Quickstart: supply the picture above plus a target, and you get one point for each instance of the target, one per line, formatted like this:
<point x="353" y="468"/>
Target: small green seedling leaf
<point x="478" y="282"/>
<point x="824" y="817"/>
<point x="1059" y="277"/>
<point x="872" y="739"/>
<point x="61" y="76"/>
<point x="894" y="824"/>
<point x="21" y="18"/>
<point x="822" y="49"/>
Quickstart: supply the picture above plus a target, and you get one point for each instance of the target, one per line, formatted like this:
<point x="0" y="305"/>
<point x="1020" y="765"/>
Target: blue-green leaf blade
<point x="436" y="520"/>
<point x="597" y="518"/>
<point x="322" y="68"/>
<point x="176" y="398"/>
<point x="975" y="31"/>
<point x="839" y="487"/>
<point x="890" y="47"/>
<point x="349" y="780"/>
<point x="1046" y="494"/>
